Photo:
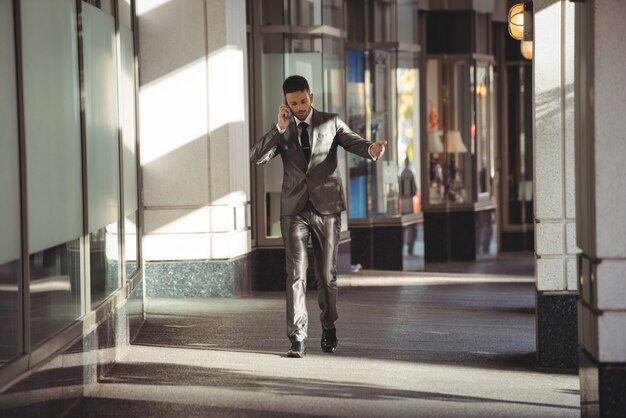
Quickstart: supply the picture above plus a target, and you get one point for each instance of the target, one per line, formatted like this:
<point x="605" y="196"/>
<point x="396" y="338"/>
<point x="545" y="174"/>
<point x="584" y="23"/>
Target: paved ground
<point x="410" y="345"/>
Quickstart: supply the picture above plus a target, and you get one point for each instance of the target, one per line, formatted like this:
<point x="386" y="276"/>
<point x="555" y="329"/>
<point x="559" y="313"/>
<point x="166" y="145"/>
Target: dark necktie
<point x="304" y="141"/>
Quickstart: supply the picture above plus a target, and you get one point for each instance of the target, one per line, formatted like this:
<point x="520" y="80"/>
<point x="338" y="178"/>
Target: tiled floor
<point x="455" y="341"/>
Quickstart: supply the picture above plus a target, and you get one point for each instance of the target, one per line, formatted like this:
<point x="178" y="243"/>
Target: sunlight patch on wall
<point x="173" y="111"/>
<point x="145" y="6"/>
<point x="227" y="100"/>
<point x="237" y="196"/>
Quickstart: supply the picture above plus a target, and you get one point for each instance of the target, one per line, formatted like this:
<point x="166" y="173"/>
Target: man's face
<point x="300" y="103"/>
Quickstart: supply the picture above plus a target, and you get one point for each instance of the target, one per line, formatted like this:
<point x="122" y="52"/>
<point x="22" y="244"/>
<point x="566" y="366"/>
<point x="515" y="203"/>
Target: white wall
<point x="194" y="128"/>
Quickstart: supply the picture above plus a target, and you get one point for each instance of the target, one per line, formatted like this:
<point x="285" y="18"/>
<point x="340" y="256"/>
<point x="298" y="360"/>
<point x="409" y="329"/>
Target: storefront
<point x="384" y="103"/>
<point x="460" y="153"/>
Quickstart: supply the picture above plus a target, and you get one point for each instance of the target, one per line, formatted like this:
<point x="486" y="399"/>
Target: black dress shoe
<point x="297" y="349"/>
<point x="329" y="340"/>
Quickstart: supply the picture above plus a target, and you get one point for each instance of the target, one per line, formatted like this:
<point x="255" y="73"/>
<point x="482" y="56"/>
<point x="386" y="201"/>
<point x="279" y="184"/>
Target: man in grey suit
<point x="312" y="199"/>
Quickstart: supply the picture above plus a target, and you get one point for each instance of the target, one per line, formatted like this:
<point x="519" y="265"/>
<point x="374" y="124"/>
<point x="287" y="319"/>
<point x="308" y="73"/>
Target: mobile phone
<point x="288" y="108"/>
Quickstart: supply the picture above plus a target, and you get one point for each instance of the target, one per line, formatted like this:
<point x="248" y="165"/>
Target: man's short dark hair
<point x="295" y="83"/>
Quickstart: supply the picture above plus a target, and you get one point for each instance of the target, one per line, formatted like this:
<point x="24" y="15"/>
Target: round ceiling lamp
<point x="526" y="47"/>
<point x="516" y="21"/>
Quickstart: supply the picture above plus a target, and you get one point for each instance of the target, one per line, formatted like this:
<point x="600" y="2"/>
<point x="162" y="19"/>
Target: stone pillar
<point x="194" y="141"/>
<point x="554" y="162"/>
<point x="601" y="205"/>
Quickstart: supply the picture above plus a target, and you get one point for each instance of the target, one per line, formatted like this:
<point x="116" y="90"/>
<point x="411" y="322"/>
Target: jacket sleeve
<point x="351" y="141"/>
<point x="266" y="148"/>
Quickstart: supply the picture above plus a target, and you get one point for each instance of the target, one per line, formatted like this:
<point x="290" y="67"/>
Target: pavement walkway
<point x="428" y="344"/>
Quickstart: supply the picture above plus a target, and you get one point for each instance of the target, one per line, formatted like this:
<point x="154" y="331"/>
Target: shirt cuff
<point x="369" y="151"/>
<point x="280" y="131"/>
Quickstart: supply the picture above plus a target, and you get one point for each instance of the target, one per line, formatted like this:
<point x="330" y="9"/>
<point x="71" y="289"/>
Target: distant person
<point x="311" y="202"/>
<point x="408" y="189"/>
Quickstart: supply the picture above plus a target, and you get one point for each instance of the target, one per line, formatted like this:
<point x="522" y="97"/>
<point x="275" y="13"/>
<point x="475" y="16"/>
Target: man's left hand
<point x="378" y="149"/>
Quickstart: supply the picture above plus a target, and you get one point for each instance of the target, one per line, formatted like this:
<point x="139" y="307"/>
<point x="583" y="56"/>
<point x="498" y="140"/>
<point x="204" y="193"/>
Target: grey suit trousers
<point x="324" y="233"/>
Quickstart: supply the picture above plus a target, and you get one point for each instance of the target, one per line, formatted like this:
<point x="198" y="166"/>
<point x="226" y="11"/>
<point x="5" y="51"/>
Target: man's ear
<point x="311" y="98"/>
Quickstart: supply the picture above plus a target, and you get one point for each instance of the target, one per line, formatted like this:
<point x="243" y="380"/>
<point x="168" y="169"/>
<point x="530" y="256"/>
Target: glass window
<point x="304" y="57"/>
<point x="356" y="24"/>
<point x="383" y="103"/>
<point x="458" y="134"/>
<point x="104" y="5"/>
<point x="333" y="13"/>
<point x="10" y="216"/>
<point x="519" y="190"/>
<point x="435" y="150"/>
<point x="129" y="152"/>
<point x="102" y="150"/>
<point x="55" y="289"/>
<point x="408" y="134"/>
<point x="125" y="13"/>
<point x="382" y="17"/>
<point x="273" y="12"/>
<point x="305" y="12"/>
<point x="407" y="21"/>
<point x="384" y="180"/>
<point x="358" y="119"/>
<point x="334" y="100"/>
<point x="374" y="189"/>
<point x="54" y="165"/>
<point x="333" y="64"/>
<point x="481" y="130"/>
<point x="457" y="130"/>
<point x="272" y="63"/>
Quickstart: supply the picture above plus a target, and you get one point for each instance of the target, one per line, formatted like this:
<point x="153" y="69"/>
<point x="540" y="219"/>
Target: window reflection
<point x="272" y="63"/>
<point x="272" y="12"/>
<point x="409" y="153"/>
<point x="9" y="308"/>
<point x="459" y="129"/>
<point x="55" y="289"/>
<point x="371" y="101"/>
<point x="480" y="130"/>
<point x="10" y="233"/>
<point x="357" y="120"/>
<point x="408" y="132"/>
<point x="104" y="258"/>
<point x="130" y="243"/>
<point x="407" y="17"/>
<point x="382" y="16"/>
<point x="435" y="130"/>
<point x="104" y="5"/>
<point x="457" y="135"/>
<point x="332" y="13"/>
<point x="519" y="147"/>
<point x="334" y="99"/>
<point x="303" y="12"/>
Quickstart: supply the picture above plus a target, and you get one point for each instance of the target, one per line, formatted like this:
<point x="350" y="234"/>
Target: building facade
<point x="126" y="128"/>
<point x="70" y="264"/>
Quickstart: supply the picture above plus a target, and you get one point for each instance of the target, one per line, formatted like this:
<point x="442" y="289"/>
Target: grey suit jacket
<point x="320" y="181"/>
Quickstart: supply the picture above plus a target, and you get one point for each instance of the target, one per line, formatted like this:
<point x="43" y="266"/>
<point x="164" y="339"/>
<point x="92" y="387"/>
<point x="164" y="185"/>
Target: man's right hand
<point x="283" y="116"/>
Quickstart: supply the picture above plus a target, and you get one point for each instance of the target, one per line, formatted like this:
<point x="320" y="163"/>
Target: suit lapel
<point x="316" y="122"/>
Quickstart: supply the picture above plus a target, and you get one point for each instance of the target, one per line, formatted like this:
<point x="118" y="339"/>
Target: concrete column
<point x="194" y="145"/>
<point x="555" y="208"/>
<point x="601" y="203"/>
